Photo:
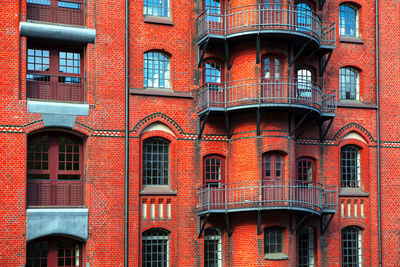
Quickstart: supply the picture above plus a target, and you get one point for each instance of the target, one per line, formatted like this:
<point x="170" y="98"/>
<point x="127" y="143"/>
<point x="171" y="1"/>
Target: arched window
<point x="212" y="248"/>
<point x="305" y="79"/>
<point x="305" y="246"/>
<point x="273" y="240"/>
<point x="155" y="248"/>
<point x="212" y="73"/>
<point x="54" y="251"/>
<point x="349" y="84"/>
<point x="158" y="8"/>
<point x="271" y="67"/>
<point x="273" y="166"/>
<point x="155" y="161"/>
<point x="156" y="67"/>
<point x="54" y="170"/>
<point x="352" y="247"/>
<point x="350" y="161"/>
<point x="214" y="170"/>
<point x="304" y="17"/>
<point x="348" y="20"/>
<point x="306" y="169"/>
<point x="213" y="8"/>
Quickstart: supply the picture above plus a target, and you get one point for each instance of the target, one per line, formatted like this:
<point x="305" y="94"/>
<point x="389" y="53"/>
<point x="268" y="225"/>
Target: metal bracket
<point x="227" y="55"/>
<point x="323" y="63"/>
<point x="322" y="135"/>
<point x="258" y="122"/>
<point x="203" y="53"/>
<point x="228" y="125"/>
<point x="228" y="225"/>
<point x="258" y="45"/>
<point x="201" y="129"/>
<point x="307" y="58"/>
<point x="203" y="225"/>
<point x="307" y="127"/>
<point x="324" y="228"/>
<point x="300" y="123"/>
<point x="302" y="222"/>
<point x="299" y="53"/>
<point x="258" y="223"/>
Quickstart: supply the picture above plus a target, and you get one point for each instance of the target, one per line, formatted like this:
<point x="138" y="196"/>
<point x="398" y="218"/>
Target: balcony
<point x="287" y="93"/>
<point x="55" y="193"/>
<point x="280" y="21"/>
<point x="55" y="88"/>
<point x="56" y="11"/>
<point x="310" y="197"/>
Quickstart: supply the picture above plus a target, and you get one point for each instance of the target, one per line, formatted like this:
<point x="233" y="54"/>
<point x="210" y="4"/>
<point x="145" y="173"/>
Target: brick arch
<point x="38" y="125"/>
<point x="356" y="128"/>
<point x="160" y="117"/>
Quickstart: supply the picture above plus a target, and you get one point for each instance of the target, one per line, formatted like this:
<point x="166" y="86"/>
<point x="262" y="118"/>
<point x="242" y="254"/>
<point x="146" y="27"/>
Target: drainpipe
<point x="126" y="224"/>
<point x="378" y="133"/>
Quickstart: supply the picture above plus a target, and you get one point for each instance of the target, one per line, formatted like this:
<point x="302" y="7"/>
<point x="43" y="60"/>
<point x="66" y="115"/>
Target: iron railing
<point x="55" y="193"/>
<point x="281" y="194"/>
<point x="256" y="18"/>
<point x="57" y="11"/>
<point x="55" y="87"/>
<point x="262" y="91"/>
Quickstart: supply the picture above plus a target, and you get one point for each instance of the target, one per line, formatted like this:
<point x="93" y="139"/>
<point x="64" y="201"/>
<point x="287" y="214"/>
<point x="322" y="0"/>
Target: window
<point x="212" y="248"/>
<point x="273" y="4"/>
<point x="54" y="251"/>
<point x="348" y="20"/>
<point x="272" y="166"/>
<point x="155" y="161"/>
<point x="351" y="247"/>
<point x="212" y="74"/>
<point x="350" y="166"/>
<point x="304" y="17"/>
<point x="158" y="8"/>
<point x="273" y="240"/>
<point x="214" y="170"/>
<point x="349" y="83"/>
<point x="54" y="74"/>
<point x="156" y="70"/>
<point x="305" y="245"/>
<point x="54" y="156"/>
<point x="155" y="248"/>
<point x="213" y="7"/>
<point x="305" y="80"/>
<point x="305" y="169"/>
<point x="271" y="67"/>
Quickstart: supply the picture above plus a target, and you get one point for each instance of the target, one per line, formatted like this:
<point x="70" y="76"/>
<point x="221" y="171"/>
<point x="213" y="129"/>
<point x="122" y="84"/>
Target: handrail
<point x="261" y="91"/>
<point x="259" y="17"/>
<point x="266" y="194"/>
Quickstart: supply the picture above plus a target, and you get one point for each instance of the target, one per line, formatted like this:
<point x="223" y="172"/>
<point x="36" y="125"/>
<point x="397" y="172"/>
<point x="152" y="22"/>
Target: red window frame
<point x="48" y="153"/>
<point x="272" y="66"/>
<point x="50" y="253"/>
<point x="273" y="166"/>
<point x="303" y="166"/>
<point x="212" y="71"/>
<point x="214" y="177"/>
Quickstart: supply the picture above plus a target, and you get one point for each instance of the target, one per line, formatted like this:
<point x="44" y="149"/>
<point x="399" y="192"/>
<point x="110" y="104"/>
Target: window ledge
<point x="353" y="192"/>
<point x="355" y="104"/>
<point x="158" y="20"/>
<point x="276" y="256"/>
<point x="349" y="39"/>
<point x="157" y="190"/>
<point x="160" y="92"/>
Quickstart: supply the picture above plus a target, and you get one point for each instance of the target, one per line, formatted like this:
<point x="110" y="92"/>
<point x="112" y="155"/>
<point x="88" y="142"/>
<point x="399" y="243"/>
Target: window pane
<point x="351" y="247"/>
<point x="155" y="248"/>
<point x="349" y="84"/>
<point x="156" y="68"/>
<point x="348" y="20"/>
<point x="158" y="8"/>
<point x="155" y="161"/>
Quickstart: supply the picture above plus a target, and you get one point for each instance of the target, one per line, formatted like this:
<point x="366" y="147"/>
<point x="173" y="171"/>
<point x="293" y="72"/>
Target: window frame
<point x="311" y="240"/>
<point x="343" y="182"/>
<point x="144" y="176"/>
<point x="273" y="166"/>
<point x="313" y="168"/>
<point x="352" y="230"/>
<point x="272" y="67"/>
<point x="166" y="7"/>
<point x="54" y="157"/>
<point x="277" y="231"/>
<point x="355" y="20"/>
<point x="159" y="235"/>
<point x="218" y="252"/>
<point x="222" y="169"/>
<point x="150" y="68"/>
<point x="351" y="72"/>
<point x="221" y="70"/>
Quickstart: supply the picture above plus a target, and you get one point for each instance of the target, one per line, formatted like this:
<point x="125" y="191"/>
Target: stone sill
<point x="160" y="92"/>
<point x="158" y="20"/>
<point x="355" y="104"/>
<point x="353" y="192"/>
<point x="352" y="40"/>
<point x="157" y="190"/>
<point x="276" y="256"/>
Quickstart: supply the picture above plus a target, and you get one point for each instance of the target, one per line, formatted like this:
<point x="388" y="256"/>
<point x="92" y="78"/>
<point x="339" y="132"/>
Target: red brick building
<point x="199" y="133"/>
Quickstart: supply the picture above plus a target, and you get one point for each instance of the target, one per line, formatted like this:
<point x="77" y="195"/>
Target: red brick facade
<point x="244" y="133"/>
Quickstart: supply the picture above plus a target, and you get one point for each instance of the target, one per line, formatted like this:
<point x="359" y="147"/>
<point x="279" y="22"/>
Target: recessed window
<point x="305" y="169"/>
<point x="273" y="240"/>
<point x="155" y="248"/>
<point x="348" y="20"/>
<point x="305" y="84"/>
<point x="155" y="161"/>
<point x="159" y="8"/>
<point x="272" y="166"/>
<point x="271" y="67"/>
<point x="305" y="246"/>
<point x="212" y="248"/>
<point x="349" y="83"/>
<point x="350" y="160"/>
<point x="156" y="70"/>
<point x="351" y="247"/>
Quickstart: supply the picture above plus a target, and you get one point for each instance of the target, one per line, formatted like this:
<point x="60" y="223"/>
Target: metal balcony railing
<point x="256" y="18"/>
<point x="55" y="193"/>
<point x="278" y="194"/>
<point x="266" y="91"/>
<point x="57" y="11"/>
<point x="55" y="87"/>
